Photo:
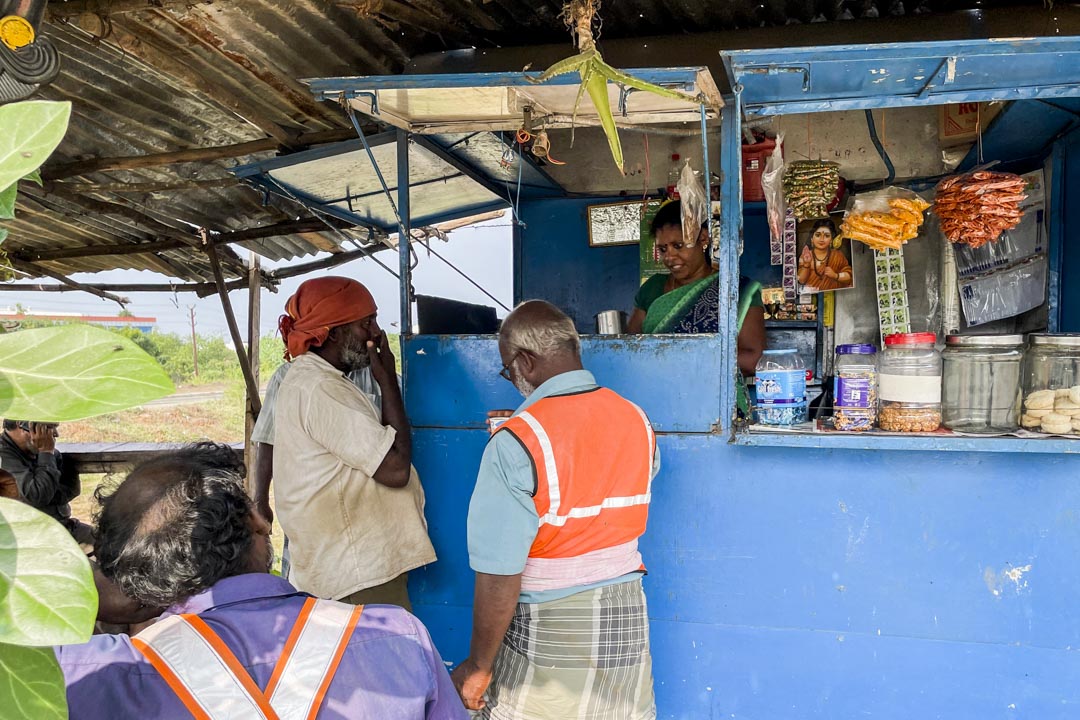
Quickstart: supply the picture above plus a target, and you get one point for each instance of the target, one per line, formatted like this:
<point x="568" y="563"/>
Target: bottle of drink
<point x="781" y="388"/>
<point x="673" y="177"/>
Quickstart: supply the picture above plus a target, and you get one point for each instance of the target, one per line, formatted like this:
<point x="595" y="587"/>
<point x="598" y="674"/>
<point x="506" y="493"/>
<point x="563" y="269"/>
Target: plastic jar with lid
<point x="780" y="381"/>
<point x="909" y="383"/>
<point x="1051" y="383"/>
<point x="855" y="388"/>
<point x="981" y="383"/>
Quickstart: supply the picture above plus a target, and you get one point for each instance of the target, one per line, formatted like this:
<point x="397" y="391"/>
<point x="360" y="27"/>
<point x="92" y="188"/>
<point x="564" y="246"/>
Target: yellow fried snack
<point x="886" y="230"/>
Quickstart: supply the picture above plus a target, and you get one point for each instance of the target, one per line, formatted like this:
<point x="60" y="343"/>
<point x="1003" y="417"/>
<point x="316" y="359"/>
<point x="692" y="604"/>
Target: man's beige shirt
<point x="346" y="531"/>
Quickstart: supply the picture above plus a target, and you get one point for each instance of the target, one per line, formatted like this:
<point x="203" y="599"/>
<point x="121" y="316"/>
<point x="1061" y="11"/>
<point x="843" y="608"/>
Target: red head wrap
<point x="319" y="305"/>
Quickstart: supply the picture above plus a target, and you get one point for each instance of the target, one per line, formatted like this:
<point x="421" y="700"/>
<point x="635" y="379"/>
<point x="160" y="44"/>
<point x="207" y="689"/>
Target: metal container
<point x="981" y="383"/>
<point x="610" y="322"/>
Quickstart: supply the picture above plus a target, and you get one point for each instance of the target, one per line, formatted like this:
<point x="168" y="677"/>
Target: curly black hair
<point x="176" y="525"/>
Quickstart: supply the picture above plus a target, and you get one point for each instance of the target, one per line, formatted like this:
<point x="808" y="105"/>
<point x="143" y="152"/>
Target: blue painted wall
<point x="785" y="582"/>
<point x="564" y="270"/>
<point x="1068" y="148"/>
<point x="800" y="583"/>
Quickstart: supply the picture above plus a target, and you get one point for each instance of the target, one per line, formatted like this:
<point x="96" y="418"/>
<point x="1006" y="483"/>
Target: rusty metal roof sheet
<point x="162" y="76"/>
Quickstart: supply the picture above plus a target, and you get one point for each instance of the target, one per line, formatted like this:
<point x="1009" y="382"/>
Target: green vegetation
<point x="47" y="592"/>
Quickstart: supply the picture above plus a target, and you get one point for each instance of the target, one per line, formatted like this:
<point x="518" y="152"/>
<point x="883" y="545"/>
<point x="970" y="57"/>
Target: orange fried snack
<point x="976" y="208"/>
<point x="885" y="230"/>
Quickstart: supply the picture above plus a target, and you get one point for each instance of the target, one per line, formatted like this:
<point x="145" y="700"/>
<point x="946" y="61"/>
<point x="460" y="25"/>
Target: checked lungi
<point x="583" y="656"/>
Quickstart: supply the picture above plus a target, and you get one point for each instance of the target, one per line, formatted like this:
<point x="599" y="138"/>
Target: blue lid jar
<point x="856" y="349"/>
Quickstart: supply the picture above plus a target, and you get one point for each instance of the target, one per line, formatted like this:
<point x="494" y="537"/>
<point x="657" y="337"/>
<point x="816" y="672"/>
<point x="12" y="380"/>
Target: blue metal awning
<point x="497" y="101"/>
<point x="848" y="77"/>
<point x="450" y="176"/>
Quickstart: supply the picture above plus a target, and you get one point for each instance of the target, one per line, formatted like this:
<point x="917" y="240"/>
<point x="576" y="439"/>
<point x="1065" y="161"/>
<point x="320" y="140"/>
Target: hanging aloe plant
<point x="595" y="74"/>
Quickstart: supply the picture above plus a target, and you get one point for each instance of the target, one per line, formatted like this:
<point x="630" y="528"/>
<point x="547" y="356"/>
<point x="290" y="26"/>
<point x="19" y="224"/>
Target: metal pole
<point x="731" y="219"/>
<point x="404" y="228"/>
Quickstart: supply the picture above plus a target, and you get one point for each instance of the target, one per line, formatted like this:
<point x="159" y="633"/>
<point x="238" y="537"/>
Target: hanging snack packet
<point x="810" y="187"/>
<point x="695" y="205"/>
<point x="885" y="219"/>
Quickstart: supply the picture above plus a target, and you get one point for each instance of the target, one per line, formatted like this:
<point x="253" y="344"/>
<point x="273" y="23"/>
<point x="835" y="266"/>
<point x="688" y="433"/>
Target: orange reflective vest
<point x="592" y="454"/>
<point x="212" y="683"/>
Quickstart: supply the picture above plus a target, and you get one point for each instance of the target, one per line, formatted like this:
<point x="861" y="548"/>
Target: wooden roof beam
<point x="134" y="162"/>
<point x="32" y="269"/>
<point x="285" y="228"/>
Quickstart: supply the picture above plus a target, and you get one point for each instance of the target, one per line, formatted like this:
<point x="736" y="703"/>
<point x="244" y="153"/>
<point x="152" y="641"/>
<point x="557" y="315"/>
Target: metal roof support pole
<point x="234" y="330"/>
<point x="404" y="231"/>
<point x="731" y="219"/>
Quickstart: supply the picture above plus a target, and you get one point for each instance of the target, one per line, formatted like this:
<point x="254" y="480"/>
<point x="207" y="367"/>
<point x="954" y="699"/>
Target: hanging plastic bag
<point x="695" y="204"/>
<point x="772" y="184"/>
<point x="885" y="219"/>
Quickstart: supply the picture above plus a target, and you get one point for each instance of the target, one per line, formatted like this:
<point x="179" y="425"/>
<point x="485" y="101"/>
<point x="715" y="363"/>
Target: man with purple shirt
<point x="180" y="533"/>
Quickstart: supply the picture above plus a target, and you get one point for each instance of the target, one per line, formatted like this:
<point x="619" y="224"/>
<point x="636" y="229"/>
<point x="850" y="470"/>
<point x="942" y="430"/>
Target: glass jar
<point x="981" y="383"/>
<point x="855" y="388"/>
<point x="909" y="383"/>
<point x="780" y="380"/>
<point x="1051" y="384"/>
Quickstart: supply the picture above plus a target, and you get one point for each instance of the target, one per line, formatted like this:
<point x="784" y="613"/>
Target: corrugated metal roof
<point x="157" y="76"/>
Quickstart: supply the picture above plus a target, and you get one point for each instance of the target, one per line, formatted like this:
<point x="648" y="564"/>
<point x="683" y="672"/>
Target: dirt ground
<point x="219" y="420"/>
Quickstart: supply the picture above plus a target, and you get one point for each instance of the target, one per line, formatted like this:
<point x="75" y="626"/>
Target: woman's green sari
<point x="695" y="308"/>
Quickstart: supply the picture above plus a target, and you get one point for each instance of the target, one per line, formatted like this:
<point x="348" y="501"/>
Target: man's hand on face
<point x="43" y="436"/>
<point x="383" y="367"/>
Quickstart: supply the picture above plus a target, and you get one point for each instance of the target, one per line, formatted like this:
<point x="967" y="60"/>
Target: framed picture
<point x="615" y="223"/>
<point x="823" y="258"/>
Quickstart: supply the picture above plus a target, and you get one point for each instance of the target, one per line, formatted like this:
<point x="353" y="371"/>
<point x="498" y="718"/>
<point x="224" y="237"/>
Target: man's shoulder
<point x="389" y="625"/>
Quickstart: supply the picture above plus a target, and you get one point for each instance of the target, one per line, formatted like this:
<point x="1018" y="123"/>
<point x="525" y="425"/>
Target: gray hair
<point x="541" y="329"/>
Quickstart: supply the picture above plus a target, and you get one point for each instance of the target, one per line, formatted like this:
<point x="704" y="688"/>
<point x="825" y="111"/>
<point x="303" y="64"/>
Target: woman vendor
<point x="687" y="299"/>
<point x="822" y="266"/>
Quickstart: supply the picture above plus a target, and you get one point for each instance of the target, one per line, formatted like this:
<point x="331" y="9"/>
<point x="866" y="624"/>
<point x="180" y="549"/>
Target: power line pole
<point x="194" y="341"/>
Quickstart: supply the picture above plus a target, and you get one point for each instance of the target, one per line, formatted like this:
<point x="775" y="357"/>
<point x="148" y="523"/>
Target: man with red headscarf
<point x="346" y="493"/>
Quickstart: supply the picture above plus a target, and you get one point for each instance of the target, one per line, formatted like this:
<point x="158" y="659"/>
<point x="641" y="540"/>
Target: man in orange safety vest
<point x="560" y="626"/>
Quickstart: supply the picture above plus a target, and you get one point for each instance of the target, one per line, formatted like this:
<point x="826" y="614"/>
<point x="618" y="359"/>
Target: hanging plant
<point x="579" y="16"/>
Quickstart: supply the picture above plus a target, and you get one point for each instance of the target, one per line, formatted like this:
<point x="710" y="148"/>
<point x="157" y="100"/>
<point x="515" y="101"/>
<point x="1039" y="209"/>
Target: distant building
<point x="142" y="324"/>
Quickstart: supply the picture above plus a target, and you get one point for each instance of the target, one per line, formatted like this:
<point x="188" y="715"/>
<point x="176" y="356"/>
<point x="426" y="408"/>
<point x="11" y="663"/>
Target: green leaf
<point x="3" y="235"/>
<point x="35" y="177"/>
<point x="31" y="683"/>
<point x="71" y="372"/>
<point x="7" y="202"/>
<point x="47" y="592"/>
<point x="31" y="131"/>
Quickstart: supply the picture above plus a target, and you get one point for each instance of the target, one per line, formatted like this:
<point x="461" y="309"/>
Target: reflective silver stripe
<point x="554" y="497"/>
<point x="594" y="510"/>
<point x="201" y="670"/>
<point x="307" y="666"/>
<point x="552" y="517"/>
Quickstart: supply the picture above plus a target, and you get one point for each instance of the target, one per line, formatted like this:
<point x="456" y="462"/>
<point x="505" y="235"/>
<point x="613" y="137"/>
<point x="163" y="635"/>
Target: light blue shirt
<point x="503" y="521"/>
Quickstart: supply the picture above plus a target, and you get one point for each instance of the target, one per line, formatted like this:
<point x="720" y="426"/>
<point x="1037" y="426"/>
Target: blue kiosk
<point x="790" y="575"/>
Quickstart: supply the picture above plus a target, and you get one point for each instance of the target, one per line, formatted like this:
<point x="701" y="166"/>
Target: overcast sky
<point x="481" y="251"/>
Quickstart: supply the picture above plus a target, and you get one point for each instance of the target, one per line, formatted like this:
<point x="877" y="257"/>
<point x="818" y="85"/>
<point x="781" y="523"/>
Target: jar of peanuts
<point x="909" y="383"/>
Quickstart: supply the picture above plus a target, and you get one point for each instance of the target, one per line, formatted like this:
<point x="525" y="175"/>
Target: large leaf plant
<point x="58" y="374"/>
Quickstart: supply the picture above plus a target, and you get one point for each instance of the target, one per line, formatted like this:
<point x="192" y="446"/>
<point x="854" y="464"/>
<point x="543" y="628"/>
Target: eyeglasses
<point x="505" y="372"/>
